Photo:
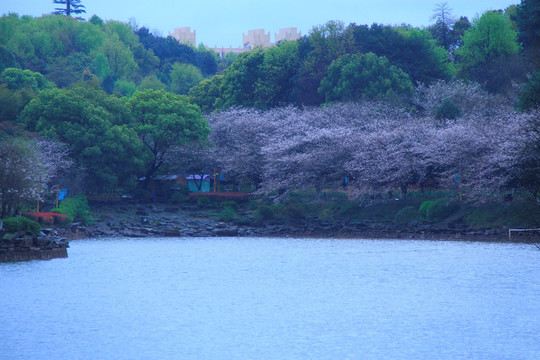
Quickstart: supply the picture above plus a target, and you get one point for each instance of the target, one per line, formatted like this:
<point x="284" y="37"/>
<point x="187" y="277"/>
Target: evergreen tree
<point x="72" y="7"/>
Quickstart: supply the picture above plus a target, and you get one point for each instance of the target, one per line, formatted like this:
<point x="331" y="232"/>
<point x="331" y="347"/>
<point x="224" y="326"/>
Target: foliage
<point x="368" y="76"/>
<point x="16" y="224"/>
<point x="448" y="110"/>
<point x="513" y="214"/>
<point x="227" y="214"/>
<point x="488" y="48"/>
<point x="28" y="169"/>
<point x="72" y="7"/>
<point x="412" y="50"/>
<point x="203" y="201"/>
<point x="422" y="211"/>
<point x="164" y="120"/>
<point x="442" y="29"/>
<point x="94" y="126"/>
<point x="18" y="79"/>
<point x="265" y="212"/>
<point x="240" y="79"/>
<point x="440" y="209"/>
<point x="47" y="218"/>
<point x="279" y="67"/>
<point x="184" y="77"/>
<point x="528" y="19"/>
<point x="75" y="208"/>
<point x="230" y="204"/>
<point x="530" y="96"/>
<point x="207" y="94"/>
<point x="406" y="215"/>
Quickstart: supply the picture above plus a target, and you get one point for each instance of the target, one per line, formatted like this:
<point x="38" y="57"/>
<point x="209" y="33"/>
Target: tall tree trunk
<point x="404" y="192"/>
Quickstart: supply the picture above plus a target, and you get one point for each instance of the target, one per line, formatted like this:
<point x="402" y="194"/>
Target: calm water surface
<point x="260" y="298"/>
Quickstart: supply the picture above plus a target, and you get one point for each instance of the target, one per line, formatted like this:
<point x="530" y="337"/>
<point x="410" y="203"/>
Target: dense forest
<point x="106" y="106"/>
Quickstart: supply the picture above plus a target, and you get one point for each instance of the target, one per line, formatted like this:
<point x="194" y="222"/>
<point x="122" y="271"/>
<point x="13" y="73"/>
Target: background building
<point x="184" y="35"/>
<point x="256" y="38"/>
<point x="287" y="34"/>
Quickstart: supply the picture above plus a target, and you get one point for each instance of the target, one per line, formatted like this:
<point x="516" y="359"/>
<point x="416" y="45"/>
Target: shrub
<point x="75" y="208"/>
<point x="293" y="212"/>
<point x="448" y="110"/>
<point x="227" y="214"/>
<point x="441" y="209"/>
<point x="60" y="219"/>
<point x="265" y="212"/>
<point x="230" y="204"/>
<point x="47" y="218"/>
<point x="203" y="201"/>
<point x="177" y="197"/>
<point x="422" y="212"/>
<point x="406" y="215"/>
<point x="22" y="224"/>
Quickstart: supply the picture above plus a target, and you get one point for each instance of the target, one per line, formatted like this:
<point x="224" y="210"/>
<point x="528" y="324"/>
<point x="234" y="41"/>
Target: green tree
<point x="444" y="21"/>
<point x="19" y="79"/>
<point x="164" y="120"/>
<point x="18" y="177"/>
<point x="96" y="128"/>
<point x="460" y="27"/>
<point x="412" y="50"/>
<point x="241" y="78"/>
<point x="71" y="7"/>
<point x="487" y="51"/>
<point x="207" y="94"/>
<point x="64" y="71"/>
<point x="324" y="44"/>
<point x="528" y="19"/>
<point x="530" y="96"/>
<point x="13" y="101"/>
<point x="152" y="82"/>
<point x="353" y="77"/>
<point x="279" y="67"/>
<point x="120" y="58"/>
<point x="184" y="77"/>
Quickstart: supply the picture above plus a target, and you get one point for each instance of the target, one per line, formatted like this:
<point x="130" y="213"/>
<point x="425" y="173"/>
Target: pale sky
<point x="221" y="23"/>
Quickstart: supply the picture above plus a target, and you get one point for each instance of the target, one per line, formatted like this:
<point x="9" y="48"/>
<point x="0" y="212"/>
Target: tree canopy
<point x="353" y="77"/>
<point x="96" y="129"/>
<point x="163" y="120"/>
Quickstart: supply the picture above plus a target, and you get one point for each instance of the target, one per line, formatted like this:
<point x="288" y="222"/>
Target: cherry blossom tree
<point x="28" y="170"/>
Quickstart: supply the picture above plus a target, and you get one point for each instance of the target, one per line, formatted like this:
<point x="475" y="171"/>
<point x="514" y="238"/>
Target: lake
<point x="274" y="298"/>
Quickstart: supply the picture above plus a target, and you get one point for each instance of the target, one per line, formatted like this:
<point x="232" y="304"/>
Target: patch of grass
<point x="406" y="215"/>
<point x="515" y="214"/>
<point x="227" y="214"/>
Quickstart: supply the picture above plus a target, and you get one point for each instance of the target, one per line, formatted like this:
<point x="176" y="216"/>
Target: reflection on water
<point x="259" y="298"/>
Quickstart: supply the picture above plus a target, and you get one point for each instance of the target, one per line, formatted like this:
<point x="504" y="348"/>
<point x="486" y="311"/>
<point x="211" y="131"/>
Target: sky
<point x="222" y="23"/>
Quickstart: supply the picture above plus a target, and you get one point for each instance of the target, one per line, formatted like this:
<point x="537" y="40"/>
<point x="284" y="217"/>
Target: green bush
<point x="75" y="208"/>
<point x="424" y="208"/>
<point x="227" y="214"/>
<point x="265" y="212"/>
<point x="406" y="215"/>
<point x="508" y="215"/>
<point x="448" y="110"/>
<point x="22" y="224"/>
<point x="203" y="201"/>
<point x="178" y="197"/>
<point x="293" y="212"/>
<point x="441" y="209"/>
<point x="230" y="204"/>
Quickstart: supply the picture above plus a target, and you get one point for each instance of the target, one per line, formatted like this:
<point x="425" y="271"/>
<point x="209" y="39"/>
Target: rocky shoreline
<point x="170" y="221"/>
<point x="24" y="246"/>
